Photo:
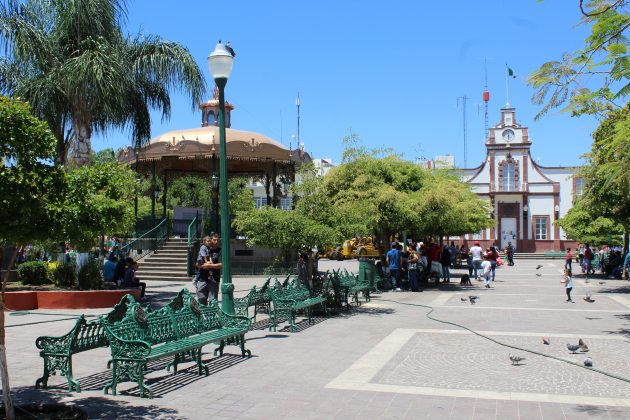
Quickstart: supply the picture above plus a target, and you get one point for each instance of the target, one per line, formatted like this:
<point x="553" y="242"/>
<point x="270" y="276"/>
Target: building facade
<point x="526" y="198"/>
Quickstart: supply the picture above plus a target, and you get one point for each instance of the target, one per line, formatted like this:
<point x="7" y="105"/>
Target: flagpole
<point x="507" y="91"/>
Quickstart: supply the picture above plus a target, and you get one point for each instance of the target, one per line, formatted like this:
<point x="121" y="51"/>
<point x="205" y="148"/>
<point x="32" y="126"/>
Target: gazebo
<point x="196" y="151"/>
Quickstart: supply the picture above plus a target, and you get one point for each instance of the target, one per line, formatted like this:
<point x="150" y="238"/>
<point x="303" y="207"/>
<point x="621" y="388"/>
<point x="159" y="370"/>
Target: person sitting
<point x="130" y="279"/>
<point x="109" y="270"/>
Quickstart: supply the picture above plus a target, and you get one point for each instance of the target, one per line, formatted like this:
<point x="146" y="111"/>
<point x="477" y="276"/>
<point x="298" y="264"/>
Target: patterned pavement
<point x="385" y="359"/>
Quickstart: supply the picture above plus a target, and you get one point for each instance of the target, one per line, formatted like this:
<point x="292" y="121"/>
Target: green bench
<point x="346" y="285"/>
<point x="259" y="299"/>
<point x="289" y="300"/>
<point x="85" y="335"/>
<point x="141" y="337"/>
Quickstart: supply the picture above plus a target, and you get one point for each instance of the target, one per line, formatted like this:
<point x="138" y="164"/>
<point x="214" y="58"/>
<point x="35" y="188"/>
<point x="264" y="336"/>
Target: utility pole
<point x="297" y="104"/>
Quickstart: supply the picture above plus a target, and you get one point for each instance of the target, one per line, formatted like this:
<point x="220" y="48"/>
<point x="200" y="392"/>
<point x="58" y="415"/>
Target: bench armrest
<point x="49" y="344"/>
<point x="234" y="321"/>
<point x="127" y="349"/>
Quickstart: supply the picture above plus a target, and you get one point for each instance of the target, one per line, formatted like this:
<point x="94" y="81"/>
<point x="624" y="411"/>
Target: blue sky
<point x="390" y="72"/>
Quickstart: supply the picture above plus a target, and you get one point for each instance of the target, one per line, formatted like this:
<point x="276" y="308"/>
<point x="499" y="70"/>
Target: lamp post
<point x="214" y="183"/>
<point x="220" y="65"/>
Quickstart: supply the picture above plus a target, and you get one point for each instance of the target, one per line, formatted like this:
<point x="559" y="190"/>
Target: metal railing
<point x="193" y="232"/>
<point x="147" y="242"/>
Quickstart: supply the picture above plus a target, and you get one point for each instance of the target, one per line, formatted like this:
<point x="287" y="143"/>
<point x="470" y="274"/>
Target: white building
<point x="322" y="166"/>
<point x="526" y="197"/>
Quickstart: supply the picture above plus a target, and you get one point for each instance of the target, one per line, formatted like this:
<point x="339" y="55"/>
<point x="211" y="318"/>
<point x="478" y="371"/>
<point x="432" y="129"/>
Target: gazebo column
<point x="164" y="191"/>
<point x="274" y="185"/>
<point x="268" y="187"/>
<point x="153" y="184"/>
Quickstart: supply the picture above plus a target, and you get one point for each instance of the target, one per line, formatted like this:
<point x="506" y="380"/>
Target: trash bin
<point x="367" y="271"/>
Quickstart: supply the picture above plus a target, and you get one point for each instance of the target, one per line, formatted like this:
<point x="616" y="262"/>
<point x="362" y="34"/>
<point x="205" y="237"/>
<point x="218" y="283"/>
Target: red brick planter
<point x="66" y="299"/>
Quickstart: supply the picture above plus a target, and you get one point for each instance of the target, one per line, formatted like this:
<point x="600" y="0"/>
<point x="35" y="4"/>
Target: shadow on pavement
<point x="96" y="407"/>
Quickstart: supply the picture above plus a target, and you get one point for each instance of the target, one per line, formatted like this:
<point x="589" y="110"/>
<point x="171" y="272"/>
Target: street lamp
<point x="220" y="65"/>
<point x="557" y="210"/>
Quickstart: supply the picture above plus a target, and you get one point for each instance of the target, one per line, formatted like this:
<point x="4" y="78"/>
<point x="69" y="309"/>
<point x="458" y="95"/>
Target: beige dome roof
<point x="205" y="135"/>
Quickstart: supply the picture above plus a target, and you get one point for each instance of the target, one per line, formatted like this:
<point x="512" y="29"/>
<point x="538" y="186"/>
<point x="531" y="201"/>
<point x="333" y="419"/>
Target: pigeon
<point x="588" y="298"/>
<point x="586" y="281"/>
<point x="473" y="299"/>
<point x="588" y="362"/>
<point x="463" y="299"/>
<point x="228" y="47"/>
<point x="539" y="266"/>
<point x="546" y="340"/>
<point x="516" y="360"/>
<point x="602" y="282"/>
<point x="538" y="275"/>
<point x="582" y="345"/>
<point x="573" y="348"/>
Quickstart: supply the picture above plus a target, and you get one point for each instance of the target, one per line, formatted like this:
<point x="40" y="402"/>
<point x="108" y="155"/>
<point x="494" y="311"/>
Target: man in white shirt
<point x="476" y="253"/>
<point x="486" y="267"/>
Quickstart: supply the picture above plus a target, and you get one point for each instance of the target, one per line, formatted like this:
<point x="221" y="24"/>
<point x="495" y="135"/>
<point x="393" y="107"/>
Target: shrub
<point x="34" y="273"/>
<point x="65" y="276"/>
<point x="91" y="276"/>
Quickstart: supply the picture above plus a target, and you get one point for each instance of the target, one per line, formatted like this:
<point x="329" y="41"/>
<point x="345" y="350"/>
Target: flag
<point x="510" y="72"/>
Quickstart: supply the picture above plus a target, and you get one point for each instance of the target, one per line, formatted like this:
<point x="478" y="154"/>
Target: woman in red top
<point x="492" y="255"/>
<point x="568" y="260"/>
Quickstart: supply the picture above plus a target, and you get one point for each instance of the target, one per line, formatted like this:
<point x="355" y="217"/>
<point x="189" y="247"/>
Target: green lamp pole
<point x="220" y="66"/>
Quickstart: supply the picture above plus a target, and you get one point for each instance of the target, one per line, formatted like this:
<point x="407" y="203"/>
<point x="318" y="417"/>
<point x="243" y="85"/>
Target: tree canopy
<point x="71" y="60"/>
<point x="596" y="78"/>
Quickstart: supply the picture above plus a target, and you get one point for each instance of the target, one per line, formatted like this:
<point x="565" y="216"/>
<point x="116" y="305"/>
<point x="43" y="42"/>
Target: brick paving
<point x="382" y="360"/>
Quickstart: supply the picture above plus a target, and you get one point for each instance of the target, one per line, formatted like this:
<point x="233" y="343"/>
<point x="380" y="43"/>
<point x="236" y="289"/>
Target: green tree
<point x="71" y="60"/>
<point x="594" y="79"/>
<point x="584" y="225"/>
<point x="31" y="193"/>
<point x="99" y="202"/>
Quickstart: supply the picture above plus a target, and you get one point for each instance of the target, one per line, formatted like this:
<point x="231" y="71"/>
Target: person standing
<point x="486" y="268"/>
<point x="589" y="256"/>
<point x="209" y="265"/>
<point x="568" y="259"/>
<point x="510" y="253"/>
<point x="475" y="253"/>
<point x="568" y="285"/>
<point x="413" y="269"/>
<point x="445" y="259"/>
<point x="394" y="262"/>
<point x="581" y="256"/>
<point x="492" y="257"/>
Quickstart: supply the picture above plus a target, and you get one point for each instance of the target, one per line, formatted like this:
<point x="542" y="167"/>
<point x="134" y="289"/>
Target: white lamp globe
<point x="220" y="62"/>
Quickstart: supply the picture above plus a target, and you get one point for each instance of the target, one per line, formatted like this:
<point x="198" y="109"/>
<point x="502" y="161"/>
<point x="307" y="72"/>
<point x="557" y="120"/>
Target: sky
<point x="390" y="72"/>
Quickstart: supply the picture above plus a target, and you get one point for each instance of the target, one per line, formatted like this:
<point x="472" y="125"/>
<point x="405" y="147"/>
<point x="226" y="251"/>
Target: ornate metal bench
<point x="85" y="335"/>
<point x="257" y="298"/>
<point x="346" y="285"/>
<point x="288" y="301"/>
<point x="141" y="337"/>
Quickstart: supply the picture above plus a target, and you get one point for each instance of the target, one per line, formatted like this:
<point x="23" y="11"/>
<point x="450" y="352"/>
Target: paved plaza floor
<point x="383" y="360"/>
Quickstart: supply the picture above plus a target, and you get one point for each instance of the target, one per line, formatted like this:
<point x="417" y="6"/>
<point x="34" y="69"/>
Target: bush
<point x="91" y="276"/>
<point x="34" y="273"/>
<point x="65" y="276"/>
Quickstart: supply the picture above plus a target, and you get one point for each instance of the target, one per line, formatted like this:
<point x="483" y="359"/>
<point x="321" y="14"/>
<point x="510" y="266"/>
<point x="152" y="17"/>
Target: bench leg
<point x="244" y="351"/>
<point x="63" y="364"/>
<point x="219" y="349"/>
<point x="131" y="370"/>
<point x="292" y="321"/>
<point x="200" y="366"/>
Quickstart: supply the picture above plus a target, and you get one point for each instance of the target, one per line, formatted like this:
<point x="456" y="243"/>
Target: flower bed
<point x="65" y="299"/>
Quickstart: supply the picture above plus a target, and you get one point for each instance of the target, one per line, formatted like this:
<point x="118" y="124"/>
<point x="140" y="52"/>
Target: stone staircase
<point x="166" y="264"/>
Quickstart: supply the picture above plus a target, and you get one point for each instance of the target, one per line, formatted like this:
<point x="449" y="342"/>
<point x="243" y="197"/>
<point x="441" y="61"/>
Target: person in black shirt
<point x="209" y="266"/>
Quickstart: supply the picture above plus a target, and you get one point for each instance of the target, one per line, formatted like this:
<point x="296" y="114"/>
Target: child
<point x="486" y="268"/>
<point x="568" y="284"/>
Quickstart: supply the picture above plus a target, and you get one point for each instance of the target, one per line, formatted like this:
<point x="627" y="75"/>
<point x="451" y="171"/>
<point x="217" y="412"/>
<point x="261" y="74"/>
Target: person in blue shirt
<point x="109" y="269"/>
<point x="626" y="267"/>
<point x="394" y="261"/>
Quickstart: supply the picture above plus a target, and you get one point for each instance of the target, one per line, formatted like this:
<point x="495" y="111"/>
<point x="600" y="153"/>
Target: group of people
<point x="121" y="272"/>
<point x="607" y="258"/>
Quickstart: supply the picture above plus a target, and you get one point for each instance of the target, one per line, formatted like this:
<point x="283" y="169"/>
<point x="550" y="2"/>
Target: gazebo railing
<point x="147" y="242"/>
<point x="194" y="231"/>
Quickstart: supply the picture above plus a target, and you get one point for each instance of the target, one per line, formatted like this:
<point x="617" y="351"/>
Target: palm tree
<point x="72" y="62"/>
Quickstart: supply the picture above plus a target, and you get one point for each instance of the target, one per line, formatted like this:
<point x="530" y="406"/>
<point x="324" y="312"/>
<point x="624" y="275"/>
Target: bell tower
<point x="210" y="111"/>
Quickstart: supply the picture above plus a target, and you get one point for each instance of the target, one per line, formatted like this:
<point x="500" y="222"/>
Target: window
<point x="541" y="225"/>
<point x="509" y="178"/>
<point x="286" y="203"/>
<point x="478" y="235"/>
<point x="260" y="201"/>
<point x="579" y="187"/>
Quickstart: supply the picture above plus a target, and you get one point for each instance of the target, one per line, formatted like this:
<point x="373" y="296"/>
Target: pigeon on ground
<point x="573" y="348"/>
<point x="588" y="362"/>
<point x="473" y="299"/>
<point x="538" y="275"/>
<point x="546" y="340"/>
<point x="463" y="299"/>
<point x="588" y="298"/>
<point x="516" y="360"/>
<point x="602" y="282"/>
<point x="582" y="345"/>
<point x="539" y="266"/>
<point x="586" y="281"/>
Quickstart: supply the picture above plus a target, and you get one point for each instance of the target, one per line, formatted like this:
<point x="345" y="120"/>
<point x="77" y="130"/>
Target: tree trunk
<point x="4" y="371"/>
<point x="83" y="138"/>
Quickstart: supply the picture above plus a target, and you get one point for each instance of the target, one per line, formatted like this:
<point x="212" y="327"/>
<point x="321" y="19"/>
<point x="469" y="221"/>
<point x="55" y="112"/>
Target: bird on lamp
<point x="228" y="47"/>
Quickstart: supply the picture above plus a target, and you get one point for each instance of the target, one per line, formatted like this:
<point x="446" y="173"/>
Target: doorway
<point x="508" y="231"/>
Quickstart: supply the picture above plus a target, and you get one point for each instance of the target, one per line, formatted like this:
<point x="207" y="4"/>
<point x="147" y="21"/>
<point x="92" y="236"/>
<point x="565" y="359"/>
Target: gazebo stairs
<point x="167" y="263"/>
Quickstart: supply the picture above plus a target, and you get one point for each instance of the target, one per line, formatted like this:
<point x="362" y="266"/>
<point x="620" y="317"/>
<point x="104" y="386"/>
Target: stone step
<point x="163" y="273"/>
<point x="167" y="253"/>
<point x="164" y="278"/>
<point x="164" y="259"/>
<point x="155" y="267"/>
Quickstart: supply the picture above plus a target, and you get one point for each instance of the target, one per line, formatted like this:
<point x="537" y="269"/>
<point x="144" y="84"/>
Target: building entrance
<point x="508" y="231"/>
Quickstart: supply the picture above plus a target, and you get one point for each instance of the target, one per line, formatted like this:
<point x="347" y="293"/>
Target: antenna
<point x="464" y="98"/>
<point x="281" y="142"/>
<point x="486" y="99"/>
<point x="297" y="104"/>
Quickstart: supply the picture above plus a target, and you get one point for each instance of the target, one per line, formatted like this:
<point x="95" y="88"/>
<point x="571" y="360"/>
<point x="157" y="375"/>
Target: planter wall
<point x="20" y="301"/>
